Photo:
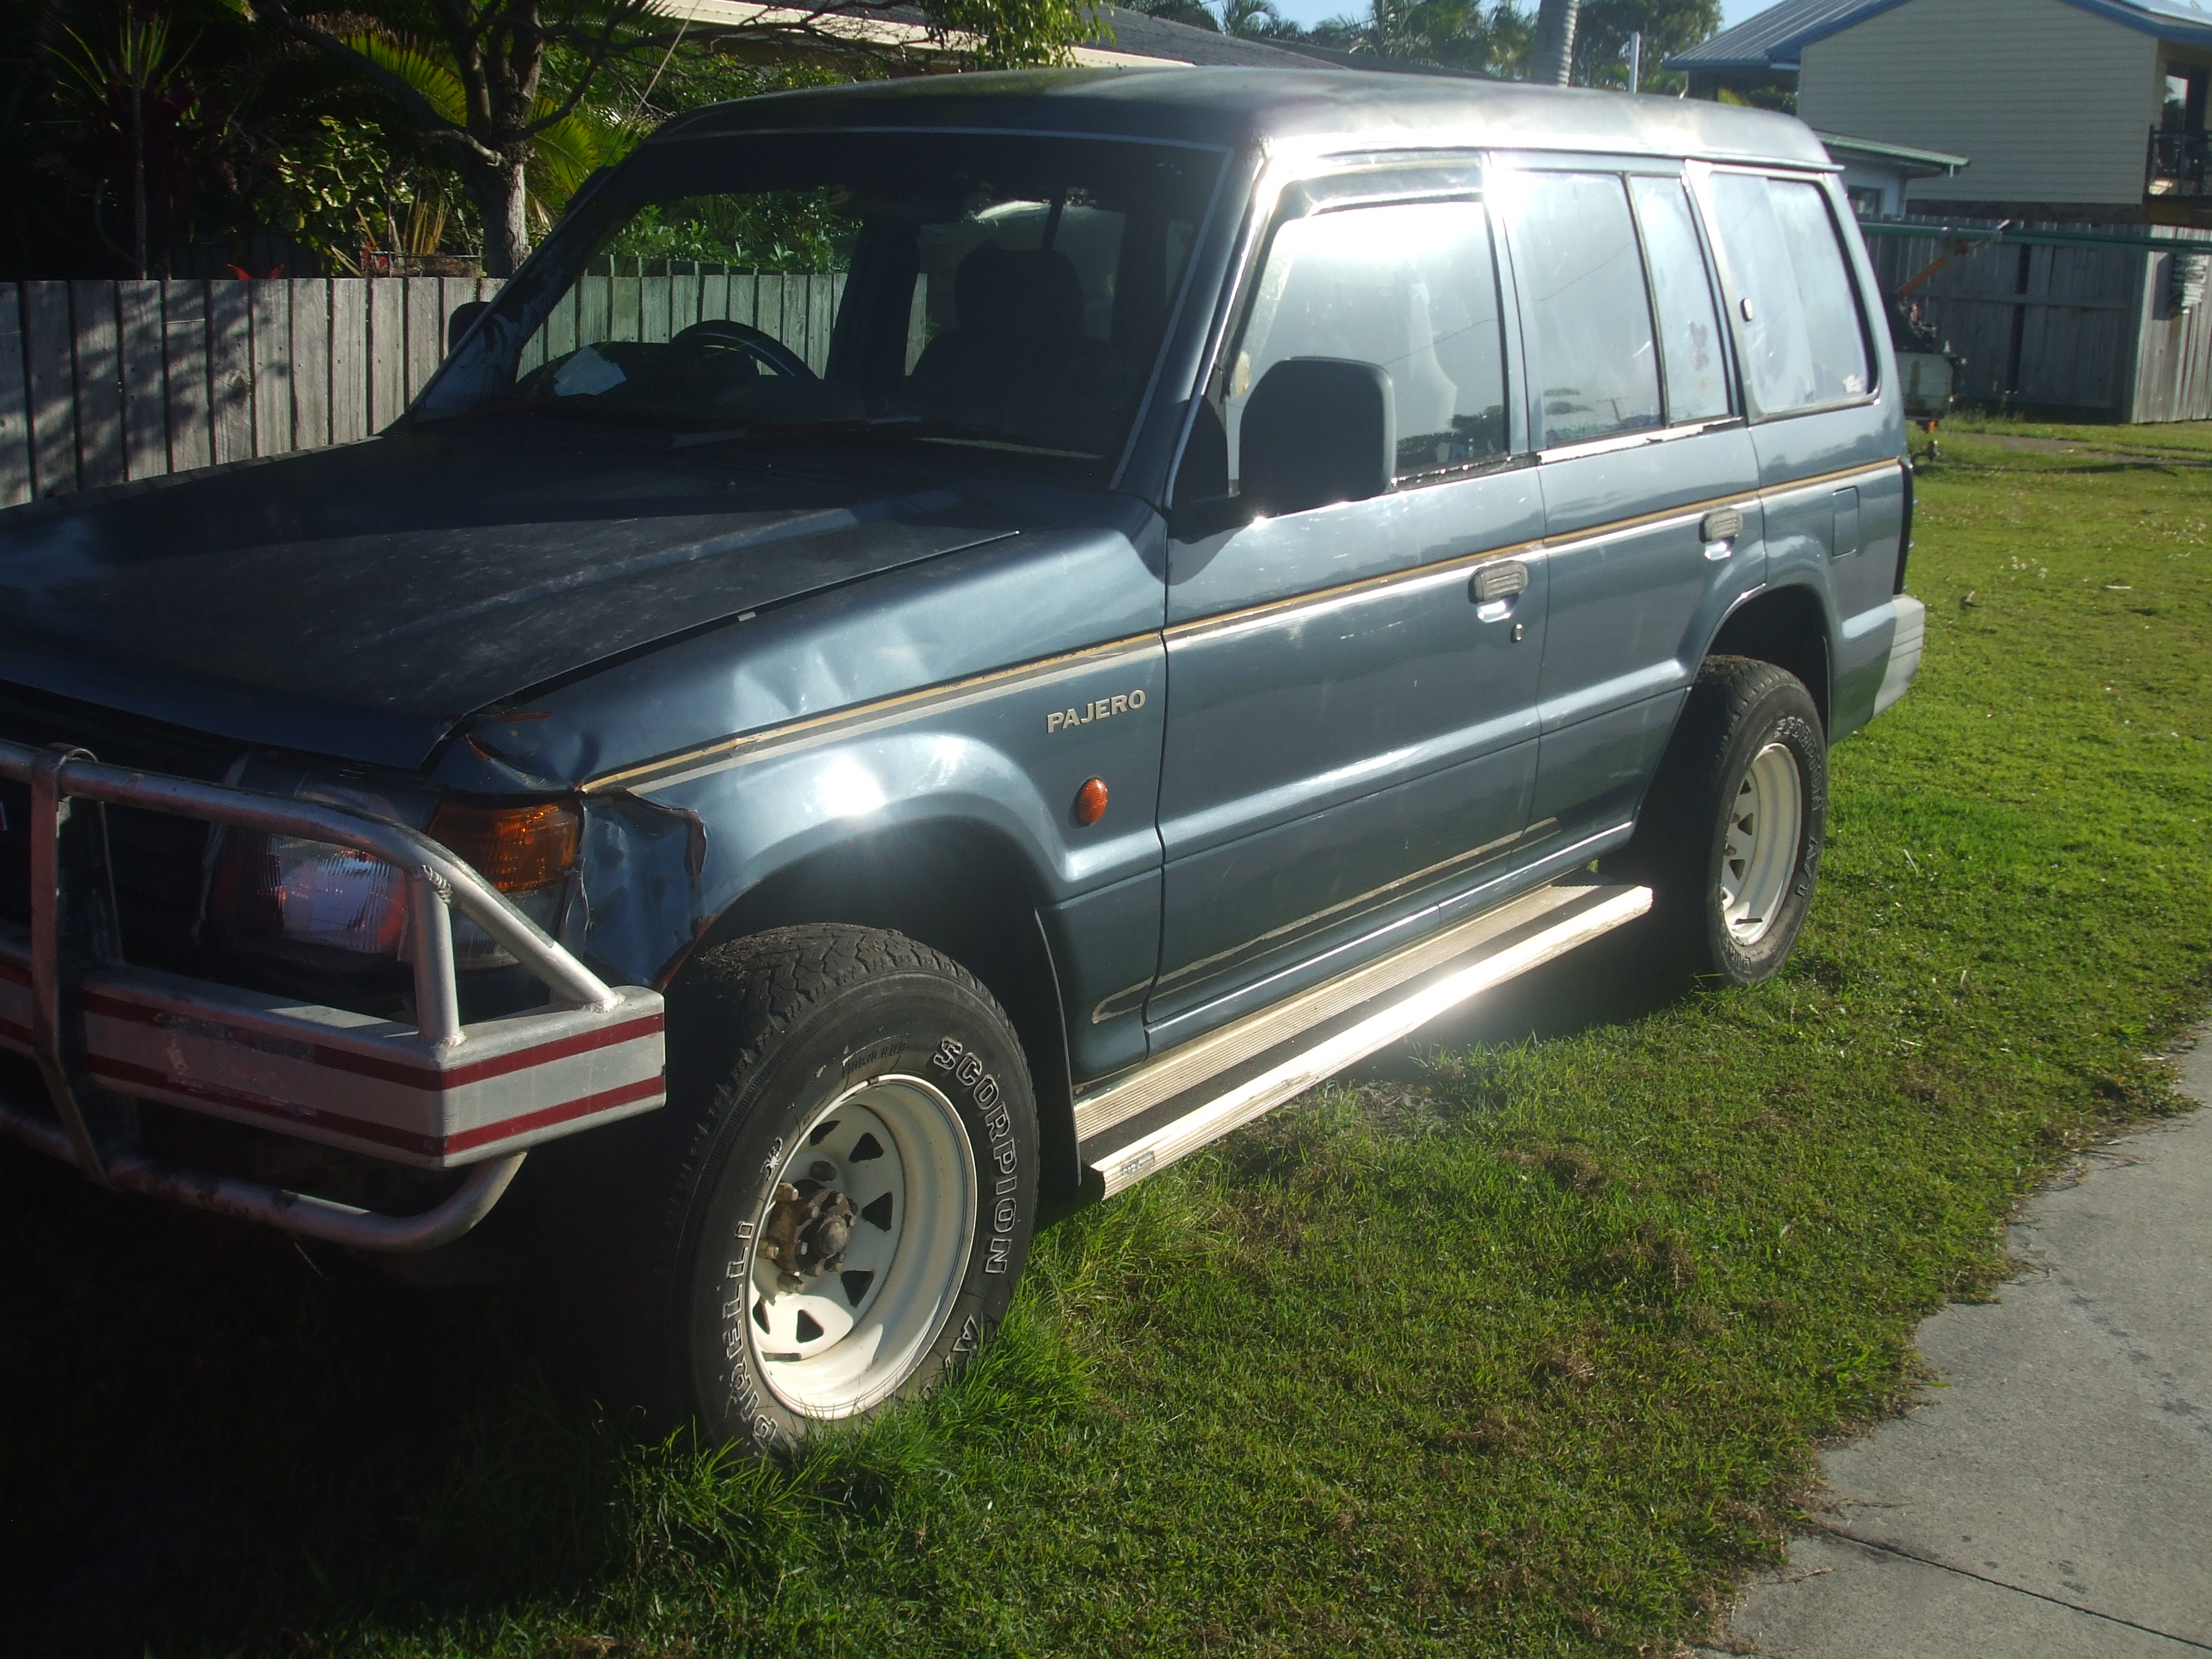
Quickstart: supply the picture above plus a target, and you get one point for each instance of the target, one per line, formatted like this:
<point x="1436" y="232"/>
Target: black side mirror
<point x="1316" y="430"/>
<point x="461" y="318"/>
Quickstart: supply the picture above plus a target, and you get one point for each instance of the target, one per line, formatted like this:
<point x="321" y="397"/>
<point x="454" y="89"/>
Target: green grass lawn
<point x="1523" y="1348"/>
<point x="2182" y="439"/>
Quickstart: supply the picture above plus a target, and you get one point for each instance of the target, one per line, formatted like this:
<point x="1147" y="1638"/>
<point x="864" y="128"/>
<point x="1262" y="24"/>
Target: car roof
<point x="1274" y="107"/>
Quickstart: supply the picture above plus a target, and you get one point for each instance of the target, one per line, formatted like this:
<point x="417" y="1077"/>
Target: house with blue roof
<point x="1759" y="58"/>
<point x="2075" y="110"/>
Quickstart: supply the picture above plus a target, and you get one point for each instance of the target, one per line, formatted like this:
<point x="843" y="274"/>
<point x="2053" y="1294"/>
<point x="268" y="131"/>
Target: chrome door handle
<point x="1492" y="588"/>
<point x="1719" y="529"/>
<point x="1493" y="583"/>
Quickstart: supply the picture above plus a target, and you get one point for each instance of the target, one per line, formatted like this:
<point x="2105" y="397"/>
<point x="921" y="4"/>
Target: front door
<point x="1351" y="726"/>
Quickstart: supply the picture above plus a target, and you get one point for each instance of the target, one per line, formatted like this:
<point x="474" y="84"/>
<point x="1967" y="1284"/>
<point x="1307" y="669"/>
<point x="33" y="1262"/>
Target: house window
<point x="1865" y="200"/>
<point x="2183" y="108"/>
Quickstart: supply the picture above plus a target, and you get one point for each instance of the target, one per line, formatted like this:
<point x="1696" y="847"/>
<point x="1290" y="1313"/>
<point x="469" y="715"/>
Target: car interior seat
<point x="1017" y="363"/>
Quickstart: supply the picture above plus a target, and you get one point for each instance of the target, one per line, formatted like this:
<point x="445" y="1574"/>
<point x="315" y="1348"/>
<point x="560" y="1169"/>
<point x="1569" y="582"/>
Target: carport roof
<point x="1125" y="38"/>
<point x="1773" y="40"/>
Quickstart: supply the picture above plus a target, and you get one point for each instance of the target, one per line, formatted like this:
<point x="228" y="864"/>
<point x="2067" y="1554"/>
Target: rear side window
<point x="1582" y="273"/>
<point x="1410" y="287"/>
<point x="1689" y="324"/>
<point x="1797" y="316"/>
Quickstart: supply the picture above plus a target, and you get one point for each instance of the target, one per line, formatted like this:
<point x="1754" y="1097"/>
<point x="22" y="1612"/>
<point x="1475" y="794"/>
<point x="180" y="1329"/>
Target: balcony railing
<point x="2176" y="165"/>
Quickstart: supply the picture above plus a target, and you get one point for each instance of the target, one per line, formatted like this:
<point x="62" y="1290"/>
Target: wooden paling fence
<point x="798" y="309"/>
<point x="105" y="381"/>
<point x="2095" y="328"/>
<point x="102" y="382"/>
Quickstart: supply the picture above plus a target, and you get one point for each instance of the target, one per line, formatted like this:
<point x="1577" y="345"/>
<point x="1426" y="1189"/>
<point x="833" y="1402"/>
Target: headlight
<point x="278" y="887"/>
<point x="281" y="893"/>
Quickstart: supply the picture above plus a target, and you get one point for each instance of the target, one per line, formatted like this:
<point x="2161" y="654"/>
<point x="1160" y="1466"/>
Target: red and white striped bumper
<point x="350" y="1080"/>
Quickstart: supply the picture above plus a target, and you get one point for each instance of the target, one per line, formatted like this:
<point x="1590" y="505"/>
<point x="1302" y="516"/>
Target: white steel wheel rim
<point x="1760" y="843"/>
<point x="846" y="1338"/>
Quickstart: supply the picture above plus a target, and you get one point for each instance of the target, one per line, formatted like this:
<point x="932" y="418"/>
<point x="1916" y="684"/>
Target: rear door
<point x="1649" y="477"/>
<point x="1351" y="724"/>
<point x="1827" y="430"/>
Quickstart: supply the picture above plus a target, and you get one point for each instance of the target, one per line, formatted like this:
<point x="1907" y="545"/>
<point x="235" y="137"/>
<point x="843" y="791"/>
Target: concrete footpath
<point x="2053" y="1499"/>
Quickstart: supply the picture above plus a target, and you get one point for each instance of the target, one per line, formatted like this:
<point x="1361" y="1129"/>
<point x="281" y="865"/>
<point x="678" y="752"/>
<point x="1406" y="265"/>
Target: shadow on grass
<point x="218" y="1441"/>
<point x="201" y="1418"/>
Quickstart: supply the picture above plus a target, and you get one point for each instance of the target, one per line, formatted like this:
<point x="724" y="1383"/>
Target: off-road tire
<point x="1737" y="708"/>
<point x="764" y="1033"/>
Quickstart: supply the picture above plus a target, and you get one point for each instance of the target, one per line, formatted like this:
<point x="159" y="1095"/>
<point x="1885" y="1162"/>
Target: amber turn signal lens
<point x="1090" y="802"/>
<point x="517" y="850"/>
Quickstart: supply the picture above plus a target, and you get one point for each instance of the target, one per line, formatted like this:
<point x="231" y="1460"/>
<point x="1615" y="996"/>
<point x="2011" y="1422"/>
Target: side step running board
<point x="1145" y="1120"/>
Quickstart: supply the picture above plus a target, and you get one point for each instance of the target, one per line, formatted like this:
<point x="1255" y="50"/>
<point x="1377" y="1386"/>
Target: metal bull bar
<point x="105" y="1035"/>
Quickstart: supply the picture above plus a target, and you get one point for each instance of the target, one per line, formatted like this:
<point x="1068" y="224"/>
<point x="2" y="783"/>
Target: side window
<point x="1411" y="287"/>
<point x="1797" y="316"/>
<point x="1689" y="325"/>
<point x="1582" y="273"/>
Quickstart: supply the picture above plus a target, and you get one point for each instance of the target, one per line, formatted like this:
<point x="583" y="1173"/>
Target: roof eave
<point x="1922" y="163"/>
<point x="2173" y="31"/>
<point x="1793" y="44"/>
<point x="1730" y="66"/>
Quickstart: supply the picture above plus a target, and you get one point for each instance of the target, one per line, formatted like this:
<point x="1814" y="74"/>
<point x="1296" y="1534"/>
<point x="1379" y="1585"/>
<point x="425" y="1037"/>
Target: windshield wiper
<point x="899" y="428"/>
<point x="570" y="408"/>
<point x="756" y="431"/>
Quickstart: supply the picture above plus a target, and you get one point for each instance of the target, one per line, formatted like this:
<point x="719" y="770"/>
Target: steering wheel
<point x="766" y="347"/>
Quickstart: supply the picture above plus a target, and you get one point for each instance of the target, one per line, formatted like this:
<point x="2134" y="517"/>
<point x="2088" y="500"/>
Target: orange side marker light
<point x="1090" y="802"/>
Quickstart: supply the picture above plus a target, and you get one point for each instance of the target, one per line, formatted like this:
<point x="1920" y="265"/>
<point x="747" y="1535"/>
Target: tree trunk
<point x="1555" y="43"/>
<point x="502" y="202"/>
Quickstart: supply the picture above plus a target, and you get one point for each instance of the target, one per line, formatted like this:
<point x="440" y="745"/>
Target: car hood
<point x="359" y="602"/>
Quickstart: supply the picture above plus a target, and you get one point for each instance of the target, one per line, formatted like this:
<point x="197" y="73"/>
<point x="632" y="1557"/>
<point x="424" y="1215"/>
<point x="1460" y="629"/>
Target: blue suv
<point x="1246" y="562"/>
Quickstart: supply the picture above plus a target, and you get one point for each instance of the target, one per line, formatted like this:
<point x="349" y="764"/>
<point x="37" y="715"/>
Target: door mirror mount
<point x="1317" y="430"/>
<point x="1208" y="515"/>
<point x="461" y="318"/>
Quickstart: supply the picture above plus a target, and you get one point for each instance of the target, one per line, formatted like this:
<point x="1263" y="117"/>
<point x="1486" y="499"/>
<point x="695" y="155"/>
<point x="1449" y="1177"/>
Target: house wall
<point x="1886" y="182"/>
<point x="2049" y="102"/>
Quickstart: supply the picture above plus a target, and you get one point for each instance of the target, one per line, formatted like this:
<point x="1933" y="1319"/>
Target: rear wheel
<point x="1730" y="836"/>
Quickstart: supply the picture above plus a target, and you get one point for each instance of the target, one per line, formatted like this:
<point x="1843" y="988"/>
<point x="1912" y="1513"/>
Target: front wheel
<point x="1730" y="836"/>
<point x="856" y="1184"/>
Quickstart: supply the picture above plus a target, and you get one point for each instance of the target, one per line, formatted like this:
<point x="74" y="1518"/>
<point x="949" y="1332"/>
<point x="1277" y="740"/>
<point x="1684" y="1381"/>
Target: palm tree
<point x="1454" y="33"/>
<point x="481" y="91"/>
<point x="1250" y="18"/>
<point x="1555" y="42"/>
<point x="142" y="125"/>
<point x="503" y="85"/>
<point x="564" y="143"/>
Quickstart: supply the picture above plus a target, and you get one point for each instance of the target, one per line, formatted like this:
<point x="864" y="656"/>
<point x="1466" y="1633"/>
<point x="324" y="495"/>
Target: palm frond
<point x="422" y="67"/>
<point x="564" y="155"/>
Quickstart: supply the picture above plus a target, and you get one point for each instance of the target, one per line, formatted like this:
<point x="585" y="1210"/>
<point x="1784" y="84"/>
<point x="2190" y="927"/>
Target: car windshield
<point x="999" y="291"/>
